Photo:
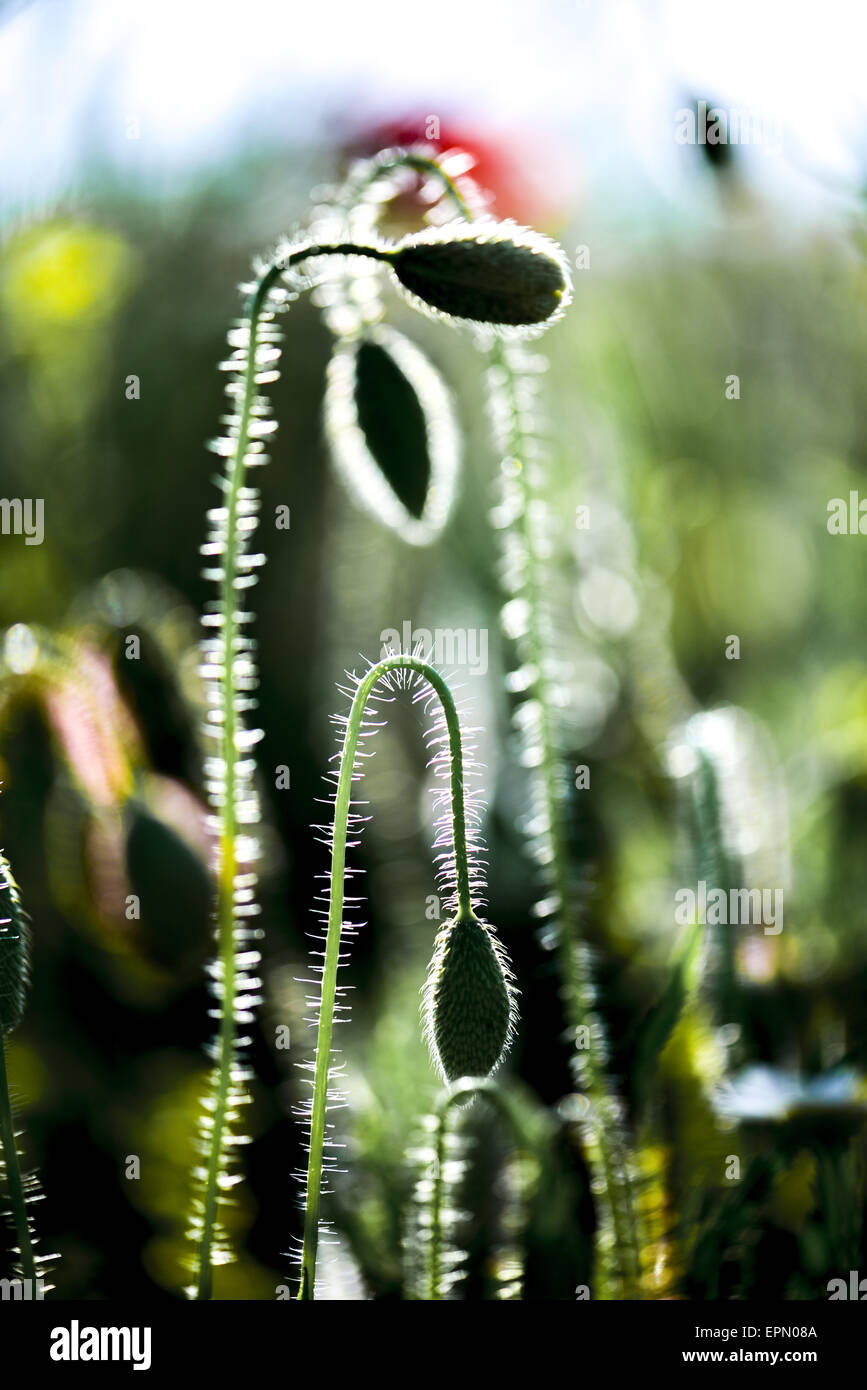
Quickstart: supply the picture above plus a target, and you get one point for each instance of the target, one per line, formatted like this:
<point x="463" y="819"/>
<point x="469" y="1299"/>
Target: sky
<point x="594" y="84"/>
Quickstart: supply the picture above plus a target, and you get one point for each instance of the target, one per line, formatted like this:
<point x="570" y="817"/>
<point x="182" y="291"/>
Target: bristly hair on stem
<point x="434" y="1255"/>
<point x="469" y="999"/>
<point x="462" y="276"/>
<point x="513" y="395"/>
<point x="230" y="676"/>
<point x="526" y="525"/>
<point x="229" y="672"/>
<point x="23" y="1189"/>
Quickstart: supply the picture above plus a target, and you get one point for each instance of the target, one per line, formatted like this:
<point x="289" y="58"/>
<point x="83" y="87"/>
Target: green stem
<point x="342" y="804"/>
<point x="837" y="1188"/>
<point x="436" y="1209"/>
<point x="13" y="1175"/>
<point x="458" y="1094"/>
<point x="226" y="1042"/>
<point x="230" y="727"/>
<point x="611" y="1160"/>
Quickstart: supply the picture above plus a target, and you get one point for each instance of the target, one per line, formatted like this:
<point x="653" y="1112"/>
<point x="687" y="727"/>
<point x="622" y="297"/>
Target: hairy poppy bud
<point x="492" y="273"/>
<point x="468" y="999"/>
<point x="392" y="432"/>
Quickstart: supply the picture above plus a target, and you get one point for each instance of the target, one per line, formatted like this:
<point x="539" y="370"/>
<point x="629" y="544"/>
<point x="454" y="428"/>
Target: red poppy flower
<point x="517" y="180"/>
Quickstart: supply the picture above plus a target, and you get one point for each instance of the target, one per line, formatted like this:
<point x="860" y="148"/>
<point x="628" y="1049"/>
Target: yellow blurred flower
<point x="62" y="272"/>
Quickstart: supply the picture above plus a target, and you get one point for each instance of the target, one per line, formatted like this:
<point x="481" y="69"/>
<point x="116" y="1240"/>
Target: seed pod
<point x="392" y="433"/>
<point x="14" y="951"/>
<point x="469" y="1000"/>
<point x="490" y="273"/>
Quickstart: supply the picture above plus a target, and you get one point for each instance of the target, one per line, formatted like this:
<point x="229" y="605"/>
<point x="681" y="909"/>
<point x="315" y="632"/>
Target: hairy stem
<point x="610" y="1162"/>
<point x="233" y="672"/>
<point x="342" y="804"/>
<point x="14" y="1182"/>
<point x="609" y="1159"/>
<point x="457" y="1095"/>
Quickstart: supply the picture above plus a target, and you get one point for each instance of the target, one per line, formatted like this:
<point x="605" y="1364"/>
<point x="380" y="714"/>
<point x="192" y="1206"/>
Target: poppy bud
<point x="495" y="274"/>
<point x="468" y="999"/>
<point x="392" y="432"/>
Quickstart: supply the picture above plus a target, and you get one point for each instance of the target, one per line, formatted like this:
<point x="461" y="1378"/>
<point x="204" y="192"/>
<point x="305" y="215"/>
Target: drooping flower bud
<point x="485" y="273"/>
<point x="468" y="999"/>
<point x="392" y="432"/>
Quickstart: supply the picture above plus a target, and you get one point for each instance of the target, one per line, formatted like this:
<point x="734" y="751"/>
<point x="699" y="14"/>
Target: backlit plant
<point x="469" y="1000"/>
<point x="22" y="1189"/>
<point x="611" y="1175"/>
<point x="494" y="274"/>
<point x="538" y="685"/>
<point x="433" y="1240"/>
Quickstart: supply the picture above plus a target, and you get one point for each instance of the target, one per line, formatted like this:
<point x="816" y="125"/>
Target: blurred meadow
<point x="708" y="520"/>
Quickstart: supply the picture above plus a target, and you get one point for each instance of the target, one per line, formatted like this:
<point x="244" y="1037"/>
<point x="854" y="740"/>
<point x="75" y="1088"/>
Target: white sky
<point x="600" y="78"/>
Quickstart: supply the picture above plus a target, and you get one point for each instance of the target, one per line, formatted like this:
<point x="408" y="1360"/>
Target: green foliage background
<point x="713" y="514"/>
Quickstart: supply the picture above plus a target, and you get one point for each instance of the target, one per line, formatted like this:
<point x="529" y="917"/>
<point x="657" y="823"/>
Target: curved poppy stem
<point x="342" y="804"/>
<point x="230" y="667"/>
